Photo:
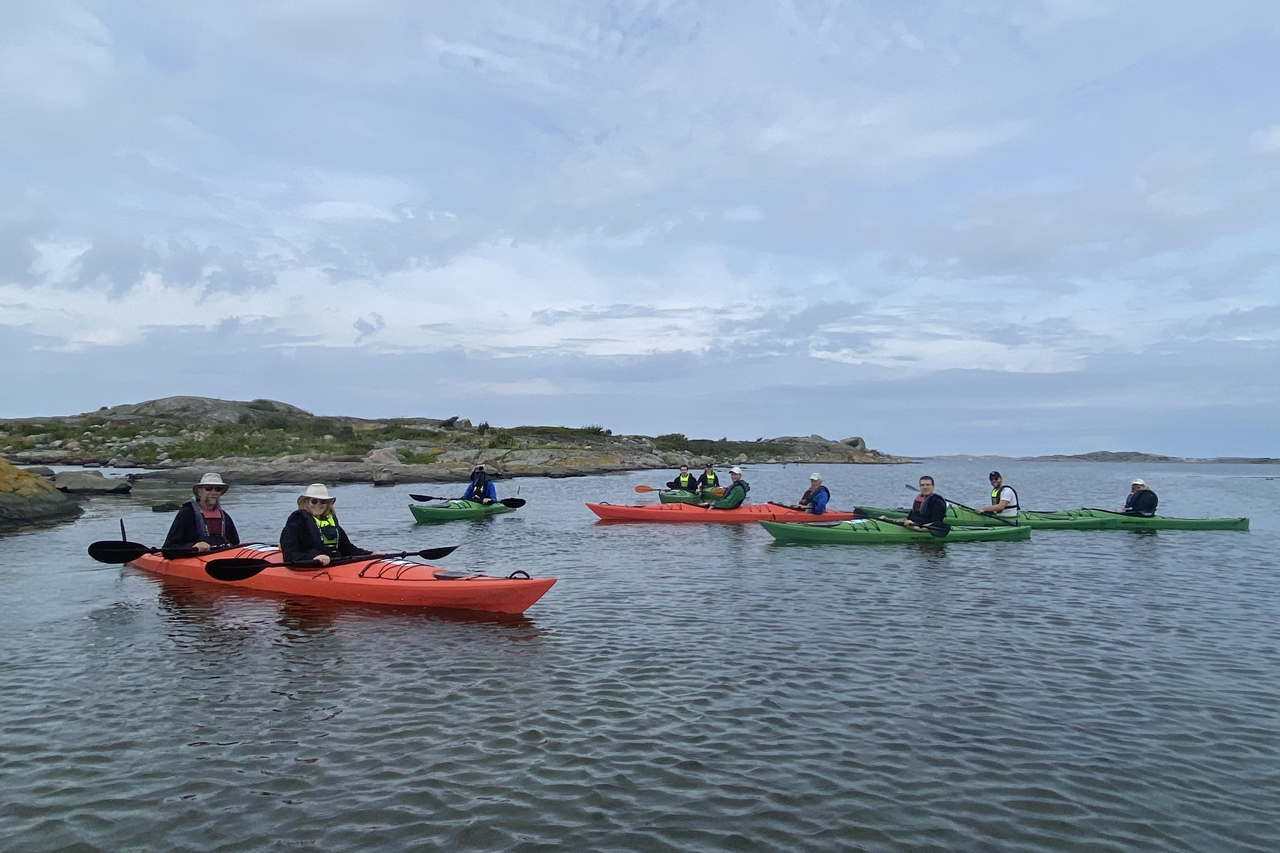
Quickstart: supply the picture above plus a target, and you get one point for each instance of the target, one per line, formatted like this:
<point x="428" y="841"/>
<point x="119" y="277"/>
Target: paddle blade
<point x="425" y="498"/>
<point x="938" y="531"/>
<point x="644" y="489"/>
<point x="513" y="503"/>
<point x="437" y="553"/>
<point x="235" y="569"/>
<point x="117" y="553"/>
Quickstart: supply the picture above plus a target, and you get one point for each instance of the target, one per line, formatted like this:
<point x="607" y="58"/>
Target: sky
<point x="984" y="226"/>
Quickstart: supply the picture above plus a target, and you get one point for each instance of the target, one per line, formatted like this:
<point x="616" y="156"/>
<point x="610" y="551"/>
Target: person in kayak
<point x="312" y="531"/>
<point x="684" y="481"/>
<point x="1004" y="499"/>
<point x="708" y="480"/>
<point x="814" y="500"/>
<point x="1141" y="501"/>
<point x="481" y="489"/>
<point x="735" y="494"/>
<point x="929" y="509"/>
<point x="202" y="523"/>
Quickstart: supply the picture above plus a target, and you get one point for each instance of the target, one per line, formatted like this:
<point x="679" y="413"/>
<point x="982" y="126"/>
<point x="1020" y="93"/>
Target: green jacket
<point x="733" y="496"/>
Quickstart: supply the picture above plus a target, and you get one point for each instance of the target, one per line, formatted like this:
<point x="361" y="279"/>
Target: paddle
<point x="1118" y="512"/>
<point x="243" y="568"/>
<point x="510" y="503"/>
<point x="718" y="491"/>
<point x="119" y="553"/>
<point x="1003" y="521"/>
<point x="938" y="531"/>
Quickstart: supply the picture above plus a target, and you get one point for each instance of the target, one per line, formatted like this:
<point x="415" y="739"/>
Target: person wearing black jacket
<point x="684" y="481"/>
<point x="1141" y="501"/>
<point x="708" y="480"/>
<point x="929" y="509"/>
<point x="201" y="524"/>
<point x="312" y="533"/>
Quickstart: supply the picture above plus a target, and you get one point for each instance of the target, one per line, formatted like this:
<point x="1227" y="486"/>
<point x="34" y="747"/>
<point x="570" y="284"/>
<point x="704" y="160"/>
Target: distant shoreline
<point x="1115" y="457"/>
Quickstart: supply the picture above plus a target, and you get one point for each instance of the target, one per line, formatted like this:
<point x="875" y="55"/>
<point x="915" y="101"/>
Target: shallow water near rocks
<point x="680" y="688"/>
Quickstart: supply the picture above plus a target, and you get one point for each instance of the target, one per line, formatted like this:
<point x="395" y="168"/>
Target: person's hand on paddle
<point x="322" y="559"/>
<point x="201" y="547"/>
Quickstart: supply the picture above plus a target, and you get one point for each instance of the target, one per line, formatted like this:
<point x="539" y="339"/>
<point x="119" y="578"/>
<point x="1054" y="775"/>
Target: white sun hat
<point x="318" y="490"/>
<point x="210" y="480"/>
<point x="815" y="476"/>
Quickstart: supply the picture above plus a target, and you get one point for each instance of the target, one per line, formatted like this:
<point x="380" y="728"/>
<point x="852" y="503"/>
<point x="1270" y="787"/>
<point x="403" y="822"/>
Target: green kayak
<point x="871" y="532"/>
<point x="678" y="496"/>
<point x="454" y="510"/>
<point x="1075" y="519"/>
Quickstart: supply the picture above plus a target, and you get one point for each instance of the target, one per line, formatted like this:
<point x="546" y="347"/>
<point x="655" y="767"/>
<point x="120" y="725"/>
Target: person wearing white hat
<point x="202" y="523"/>
<point x="1141" y="501"/>
<point x="735" y="494"/>
<point x="312" y="534"/>
<point x="815" y="498"/>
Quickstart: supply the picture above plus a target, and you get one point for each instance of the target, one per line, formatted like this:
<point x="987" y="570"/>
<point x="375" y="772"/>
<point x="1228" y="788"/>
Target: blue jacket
<point x="487" y="492"/>
<point x="816" y="501"/>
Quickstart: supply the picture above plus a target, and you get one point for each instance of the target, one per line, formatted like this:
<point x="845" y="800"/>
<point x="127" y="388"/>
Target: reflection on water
<point x="684" y="687"/>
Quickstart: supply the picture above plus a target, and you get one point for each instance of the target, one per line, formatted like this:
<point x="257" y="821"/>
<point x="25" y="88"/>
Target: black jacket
<point x="931" y="509"/>
<point x="691" y="487"/>
<point x="188" y="528"/>
<point x="1141" y="502"/>
<point x="300" y="540"/>
<point x="705" y="482"/>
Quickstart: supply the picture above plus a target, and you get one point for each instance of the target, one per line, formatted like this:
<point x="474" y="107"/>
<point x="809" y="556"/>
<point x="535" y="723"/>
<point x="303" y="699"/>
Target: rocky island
<point x="265" y="442"/>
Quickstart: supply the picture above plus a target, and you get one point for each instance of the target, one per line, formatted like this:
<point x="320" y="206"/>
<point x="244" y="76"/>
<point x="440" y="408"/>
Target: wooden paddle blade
<point x="437" y="553"/>
<point x="236" y="569"/>
<point x="117" y="553"/>
<point x="425" y="498"/>
<point x="513" y="503"/>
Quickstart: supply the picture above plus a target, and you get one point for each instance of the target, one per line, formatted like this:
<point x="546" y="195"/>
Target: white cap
<point x="318" y="490"/>
<point x="1139" y="482"/>
<point x="815" y="476"/>
<point x="735" y="470"/>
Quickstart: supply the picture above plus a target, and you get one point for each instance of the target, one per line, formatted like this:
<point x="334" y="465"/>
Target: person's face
<point x="1135" y="487"/>
<point x="813" y="484"/>
<point x="318" y="507"/>
<point x="684" y="469"/>
<point x="735" y="477"/>
<point x="926" y="487"/>
<point x="995" y="482"/>
<point x="208" y="496"/>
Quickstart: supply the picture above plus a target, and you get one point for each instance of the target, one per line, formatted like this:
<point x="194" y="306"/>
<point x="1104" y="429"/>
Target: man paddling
<point x="814" y="500"/>
<point x="684" y="481"/>
<point x="929" y="509"/>
<point x="201" y="523"/>
<point x="735" y="494"/>
<point x="1141" y="501"/>
<point x="1004" y="499"/>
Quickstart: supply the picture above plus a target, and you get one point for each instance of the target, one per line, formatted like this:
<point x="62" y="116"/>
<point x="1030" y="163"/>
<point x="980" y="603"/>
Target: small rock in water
<point x="166" y="507"/>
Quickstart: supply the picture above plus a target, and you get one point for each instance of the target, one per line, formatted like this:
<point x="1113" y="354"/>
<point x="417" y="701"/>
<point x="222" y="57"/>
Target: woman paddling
<point x="481" y="488"/>
<point x="312" y="532"/>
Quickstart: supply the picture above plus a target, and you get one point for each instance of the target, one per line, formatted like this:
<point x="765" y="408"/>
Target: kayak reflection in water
<point x="735" y="494"/>
<point x="815" y="498"/>
<point x="1141" y="501"/>
<point x="481" y="489"/>
<point x="201" y="523"/>
<point x="928" y="509"/>
<point x="684" y="481"/>
<point x="312" y="531"/>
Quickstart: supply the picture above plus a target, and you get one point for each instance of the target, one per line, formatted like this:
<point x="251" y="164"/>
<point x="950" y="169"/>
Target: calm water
<point x="678" y="689"/>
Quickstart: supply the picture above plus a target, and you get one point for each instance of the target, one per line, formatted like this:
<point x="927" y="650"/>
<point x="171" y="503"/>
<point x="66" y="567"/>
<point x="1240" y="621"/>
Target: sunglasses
<point x="218" y="489"/>
<point x="317" y="501"/>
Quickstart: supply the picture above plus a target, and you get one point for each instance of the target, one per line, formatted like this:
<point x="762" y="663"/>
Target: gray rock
<point x="855" y="442"/>
<point x="384" y="478"/>
<point x="383" y="456"/>
<point x="40" y="471"/>
<point x="90" y="483"/>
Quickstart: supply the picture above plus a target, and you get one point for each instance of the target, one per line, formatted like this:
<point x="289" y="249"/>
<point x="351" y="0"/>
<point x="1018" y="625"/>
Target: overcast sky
<point x="992" y="226"/>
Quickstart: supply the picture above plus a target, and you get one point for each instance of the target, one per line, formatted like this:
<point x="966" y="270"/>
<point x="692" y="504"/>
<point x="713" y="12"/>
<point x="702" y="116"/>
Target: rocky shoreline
<point x="271" y="443"/>
<point x="28" y="499"/>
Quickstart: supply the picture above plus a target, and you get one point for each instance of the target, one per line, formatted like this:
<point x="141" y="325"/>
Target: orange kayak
<point x="748" y="514"/>
<point x="373" y="581"/>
